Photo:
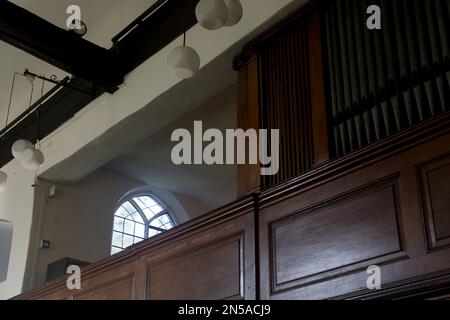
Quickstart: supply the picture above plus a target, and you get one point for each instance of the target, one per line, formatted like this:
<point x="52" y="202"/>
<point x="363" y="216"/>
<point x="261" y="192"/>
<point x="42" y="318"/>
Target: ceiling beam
<point x="147" y="36"/>
<point x="55" y="111"/>
<point x="135" y="45"/>
<point x="61" y="48"/>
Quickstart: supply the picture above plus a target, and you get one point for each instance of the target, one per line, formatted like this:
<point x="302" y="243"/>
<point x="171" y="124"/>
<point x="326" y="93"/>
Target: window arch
<point x="139" y="217"/>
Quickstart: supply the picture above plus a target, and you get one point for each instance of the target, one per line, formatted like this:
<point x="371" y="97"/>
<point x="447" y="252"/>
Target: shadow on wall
<point x="77" y="220"/>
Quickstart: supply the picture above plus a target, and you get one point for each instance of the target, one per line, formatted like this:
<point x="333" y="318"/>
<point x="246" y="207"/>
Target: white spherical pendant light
<point x="19" y="147"/>
<point x="33" y="159"/>
<point x="211" y="14"/>
<point x="3" y="181"/>
<point x="184" y="62"/>
<point x="235" y="12"/>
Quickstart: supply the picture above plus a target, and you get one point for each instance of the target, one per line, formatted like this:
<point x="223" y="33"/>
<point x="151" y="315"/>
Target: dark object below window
<point x="58" y="268"/>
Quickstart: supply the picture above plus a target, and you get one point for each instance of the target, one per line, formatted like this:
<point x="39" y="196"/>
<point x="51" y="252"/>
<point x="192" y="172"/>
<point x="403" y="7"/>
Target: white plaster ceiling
<point x="104" y="18"/>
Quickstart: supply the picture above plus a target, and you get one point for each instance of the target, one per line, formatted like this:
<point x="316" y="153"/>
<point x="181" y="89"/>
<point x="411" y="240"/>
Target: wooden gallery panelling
<point x="386" y="205"/>
<point x="337" y="235"/>
<point x="107" y="280"/>
<point x="212" y="257"/>
<point x="216" y="263"/>
<point x="434" y="177"/>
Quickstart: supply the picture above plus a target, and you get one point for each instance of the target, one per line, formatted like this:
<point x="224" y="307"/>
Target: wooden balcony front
<point x="312" y="237"/>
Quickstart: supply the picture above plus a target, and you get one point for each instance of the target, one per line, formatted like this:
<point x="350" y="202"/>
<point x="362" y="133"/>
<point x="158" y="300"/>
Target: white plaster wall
<point x="77" y="221"/>
<point x="16" y="206"/>
<point x="150" y="161"/>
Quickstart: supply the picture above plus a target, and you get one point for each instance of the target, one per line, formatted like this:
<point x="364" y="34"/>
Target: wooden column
<point x="318" y="102"/>
<point x="248" y="118"/>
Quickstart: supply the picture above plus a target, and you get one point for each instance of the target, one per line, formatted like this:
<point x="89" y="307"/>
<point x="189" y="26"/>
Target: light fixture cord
<point x="38" y="143"/>
<point x="10" y="97"/>
<point x="42" y="88"/>
<point x="38" y="138"/>
<point x="12" y="92"/>
<point x="31" y="94"/>
<point x="185" y="28"/>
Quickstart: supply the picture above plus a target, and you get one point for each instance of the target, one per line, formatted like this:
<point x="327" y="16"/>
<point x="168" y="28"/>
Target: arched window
<point x="139" y="218"/>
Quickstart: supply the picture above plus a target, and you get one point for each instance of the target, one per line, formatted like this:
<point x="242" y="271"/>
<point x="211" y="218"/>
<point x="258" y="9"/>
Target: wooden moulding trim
<point x="409" y="288"/>
<point x="87" y="272"/>
<point x="358" y="159"/>
<point x="218" y="216"/>
<point x="207" y="221"/>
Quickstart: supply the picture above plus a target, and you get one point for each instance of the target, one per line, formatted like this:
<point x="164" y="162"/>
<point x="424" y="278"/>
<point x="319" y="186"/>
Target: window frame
<point x="147" y="222"/>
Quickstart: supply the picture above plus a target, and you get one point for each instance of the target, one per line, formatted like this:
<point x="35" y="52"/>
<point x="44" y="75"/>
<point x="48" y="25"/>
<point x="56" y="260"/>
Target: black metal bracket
<point x="53" y="79"/>
<point x="33" y="107"/>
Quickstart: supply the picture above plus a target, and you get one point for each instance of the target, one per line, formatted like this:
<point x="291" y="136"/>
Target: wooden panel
<point x="318" y="233"/>
<point x="212" y="263"/>
<point x="336" y="236"/>
<point x="111" y="279"/>
<point x="435" y="187"/>
<point x="115" y="283"/>
<point x="212" y="272"/>
<point x="117" y="289"/>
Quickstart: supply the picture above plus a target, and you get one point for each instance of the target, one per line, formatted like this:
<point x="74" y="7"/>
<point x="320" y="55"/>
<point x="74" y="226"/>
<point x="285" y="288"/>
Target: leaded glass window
<point x="139" y="218"/>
